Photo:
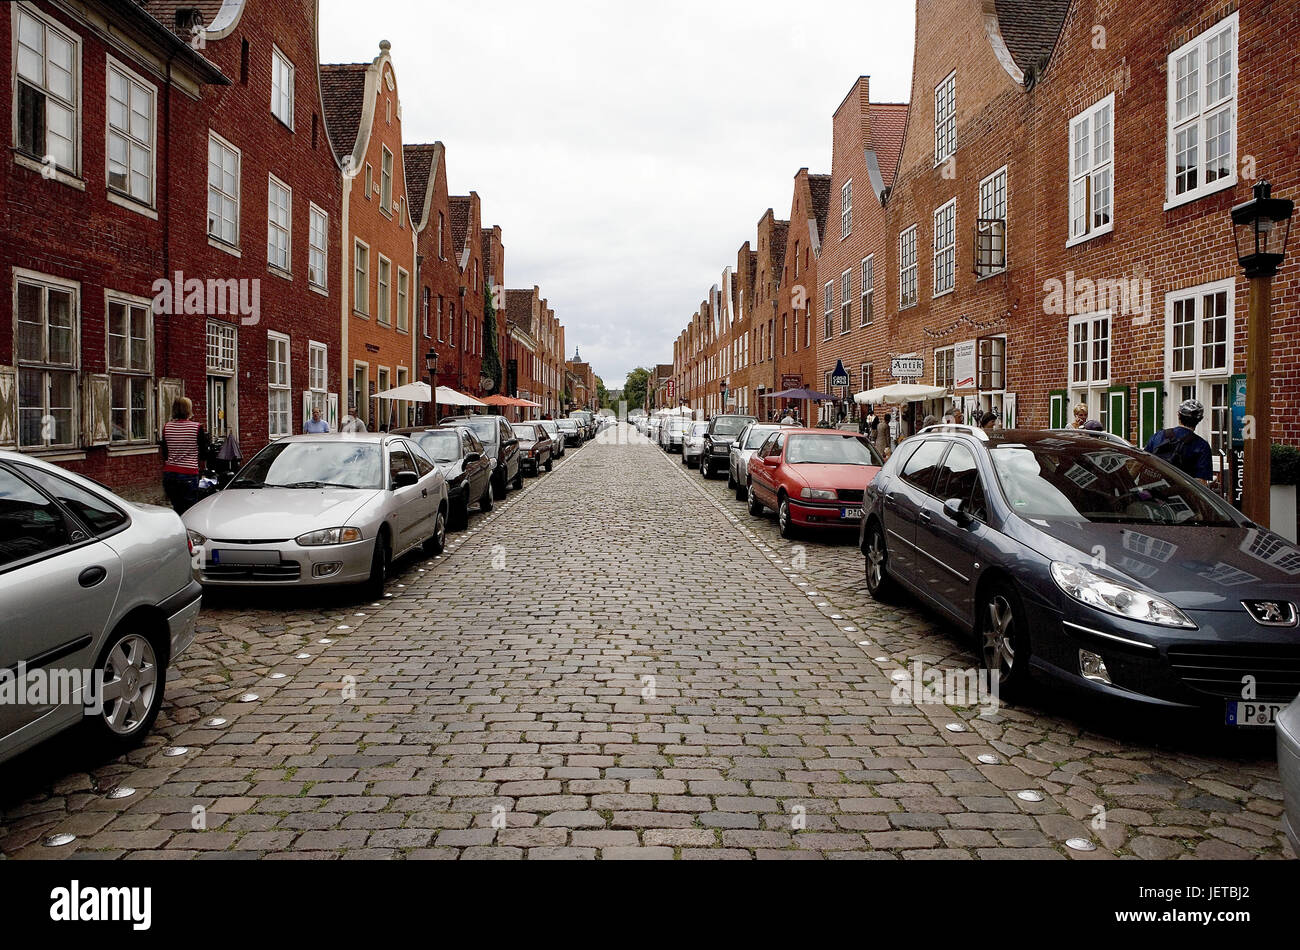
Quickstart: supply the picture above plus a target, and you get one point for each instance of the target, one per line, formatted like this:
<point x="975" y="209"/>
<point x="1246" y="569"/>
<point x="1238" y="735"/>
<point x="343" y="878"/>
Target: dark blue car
<point x="1080" y="557"/>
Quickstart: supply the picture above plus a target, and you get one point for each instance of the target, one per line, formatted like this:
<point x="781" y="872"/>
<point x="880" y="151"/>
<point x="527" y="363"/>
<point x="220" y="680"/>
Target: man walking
<point x="316" y="425"/>
<point x="1181" y="447"/>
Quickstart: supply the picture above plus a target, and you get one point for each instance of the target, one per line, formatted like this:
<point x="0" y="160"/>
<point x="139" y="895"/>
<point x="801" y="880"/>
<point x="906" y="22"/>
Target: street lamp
<point x="431" y="364"/>
<point x="1261" y="230"/>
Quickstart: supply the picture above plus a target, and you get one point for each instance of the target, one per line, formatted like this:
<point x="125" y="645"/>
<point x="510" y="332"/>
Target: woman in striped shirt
<point x="184" y="446"/>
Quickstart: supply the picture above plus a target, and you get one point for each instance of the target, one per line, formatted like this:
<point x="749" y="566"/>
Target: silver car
<point x="742" y="450"/>
<point x="1288" y="766"/>
<point x="693" y="443"/>
<point x="554" y="432"/>
<point x="321" y="509"/>
<point x="96" y="599"/>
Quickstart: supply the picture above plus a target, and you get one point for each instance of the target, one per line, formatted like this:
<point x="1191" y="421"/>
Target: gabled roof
<point x="820" y="188"/>
<point x="343" y="93"/>
<point x="157" y="21"/>
<point x="460" y="210"/>
<point x="1030" y="29"/>
<point x="888" y="122"/>
<point x="780" y="234"/>
<point x="419" y="162"/>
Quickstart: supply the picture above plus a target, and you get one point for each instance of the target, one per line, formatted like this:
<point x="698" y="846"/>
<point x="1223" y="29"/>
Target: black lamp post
<point x="431" y="364"/>
<point x="1261" y="229"/>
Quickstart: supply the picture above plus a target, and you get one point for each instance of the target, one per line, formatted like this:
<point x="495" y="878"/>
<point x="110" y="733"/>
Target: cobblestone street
<point x="678" y="682"/>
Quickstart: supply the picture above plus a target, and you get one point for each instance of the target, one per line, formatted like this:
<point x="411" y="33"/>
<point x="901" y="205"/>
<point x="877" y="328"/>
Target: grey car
<point x="316" y="510"/>
<point x="693" y="443"/>
<point x="553" y="430"/>
<point x="741" y="451"/>
<point x="1288" y="766"/>
<point x="95" y="592"/>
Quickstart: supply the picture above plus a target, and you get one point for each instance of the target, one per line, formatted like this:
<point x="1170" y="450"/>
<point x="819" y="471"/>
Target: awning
<point x="411" y="392"/>
<point x="510" y="401"/>
<point x="449" y="397"/>
<point x="800" y="394"/>
<point x="900" y="394"/>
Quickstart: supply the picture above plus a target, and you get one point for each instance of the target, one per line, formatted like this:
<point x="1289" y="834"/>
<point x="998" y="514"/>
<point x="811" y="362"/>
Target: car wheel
<point x="741" y="492"/>
<point x="755" y="506"/>
<point x="550" y="463"/>
<point x="519" y="478"/>
<point x="459" y="518"/>
<point x="731" y="479"/>
<point x="132" y="692"/>
<point x="374" y="586"/>
<point x="789" y="530"/>
<point x="436" y="542"/>
<point x="502" y="487"/>
<point x="1003" y="638"/>
<point x="485" y="503"/>
<point x="880" y="584"/>
<point x="706" y="467"/>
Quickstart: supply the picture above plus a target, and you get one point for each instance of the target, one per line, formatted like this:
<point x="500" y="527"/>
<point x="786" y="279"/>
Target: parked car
<point x="742" y="449"/>
<point x="813" y="478"/>
<point x="693" y="443"/>
<point x="572" y="432"/>
<point x="721" y="433"/>
<point x="557" y="439"/>
<point x="586" y="421"/>
<point x="673" y="432"/>
<point x="463" y="461"/>
<point x="89" y="584"/>
<point x="1288" y="766"/>
<point x="1091" y="562"/>
<point x="502" y="448"/>
<point x="535" y="449"/>
<point x="314" y="510"/>
<point x="654" y="427"/>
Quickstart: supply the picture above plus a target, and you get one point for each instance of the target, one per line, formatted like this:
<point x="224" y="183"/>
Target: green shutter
<point x="1117" y="404"/>
<point x="1060" y="403"/>
<point x="1151" y="411"/>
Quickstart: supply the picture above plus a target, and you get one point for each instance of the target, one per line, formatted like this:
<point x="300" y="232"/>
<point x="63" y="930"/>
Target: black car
<point x="717" y="442"/>
<point x="572" y="431"/>
<point x="535" y="447"/>
<point x="1077" y="556"/>
<point x="463" y="461"/>
<point x="502" y="447"/>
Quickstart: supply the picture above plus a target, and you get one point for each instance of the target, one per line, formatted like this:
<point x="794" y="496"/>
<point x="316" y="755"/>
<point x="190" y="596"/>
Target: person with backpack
<point x="1181" y="447"/>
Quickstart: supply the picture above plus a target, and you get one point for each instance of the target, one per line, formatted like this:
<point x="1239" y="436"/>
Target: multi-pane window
<point x="828" y="309"/>
<point x="846" y="301"/>
<point x="945" y="367"/>
<point x="385" y="278"/>
<point x="945" y="118"/>
<point x="868" y="290"/>
<point x="279" y="214"/>
<point x="318" y="376"/>
<point x="945" y="248"/>
<point x="1203" y="113"/>
<point x="361" y="279"/>
<point x="386" y="181"/>
<point x="846" y="211"/>
<point x="223" y="190"/>
<point x="278" y="383"/>
<point x="1090" y="364"/>
<point x="130" y="364"/>
<point x="318" y="247"/>
<point x="866" y="377"/>
<point x="281" y="87"/>
<point x="991" y="229"/>
<point x="130" y="134"/>
<point x="1092" y="164"/>
<point x="907" y="268"/>
<point x="403" y="292"/>
<point x="1200" y="332"/>
<point x="48" y="84"/>
<point x="221" y="347"/>
<point x="46" y="317"/>
<point x="992" y="369"/>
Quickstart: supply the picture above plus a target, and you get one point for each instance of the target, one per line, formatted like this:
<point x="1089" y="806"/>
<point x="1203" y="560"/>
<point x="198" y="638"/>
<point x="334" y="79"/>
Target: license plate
<point x="1254" y="714"/>
<point x="851" y="514"/>
<point x="226" y="556"/>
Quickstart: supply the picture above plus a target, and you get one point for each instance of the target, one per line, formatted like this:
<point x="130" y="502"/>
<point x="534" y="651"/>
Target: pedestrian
<point x="958" y="417"/>
<point x="930" y="420"/>
<point x="881" y="431"/>
<point x="787" y="419"/>
<point x="183" y="446"/>
<point x="989" y="422"/>
<point x="1080" y="416"/>
<point x="1181" y="447"/>
<point x="316" y="425"/>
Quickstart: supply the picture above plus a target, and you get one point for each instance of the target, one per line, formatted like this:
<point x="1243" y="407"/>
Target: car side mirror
<point x="772" y="460"/>
<point x="955" y="509"/>
<point x="472" y="457"/>
<point x="406" y="479"/>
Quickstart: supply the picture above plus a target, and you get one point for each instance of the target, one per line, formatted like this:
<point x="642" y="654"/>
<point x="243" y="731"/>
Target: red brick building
<point x="465" y="374"/>
<point x="797" y="330"/>
<point x="521" y="360"/>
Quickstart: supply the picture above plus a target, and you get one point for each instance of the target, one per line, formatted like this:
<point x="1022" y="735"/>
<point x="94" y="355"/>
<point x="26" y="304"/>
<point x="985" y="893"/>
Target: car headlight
<point x="328" y="536"/>
<point x="1116" y="598"/>
<point x="821" y="494"/>
<point x="196" y="540"/>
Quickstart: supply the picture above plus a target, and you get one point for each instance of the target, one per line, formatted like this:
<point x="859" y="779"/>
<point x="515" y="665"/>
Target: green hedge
<point x="1286" y="465"/>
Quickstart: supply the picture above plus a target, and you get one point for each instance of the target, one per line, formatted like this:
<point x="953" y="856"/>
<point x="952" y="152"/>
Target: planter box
<point x="1283" y="501"/>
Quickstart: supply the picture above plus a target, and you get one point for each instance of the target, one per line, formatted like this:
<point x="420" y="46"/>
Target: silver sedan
<point x="96" y="599"/>
<point x="1288" y="765"/>
<point x="742" y="450"/>
<point x="321" y="509"/>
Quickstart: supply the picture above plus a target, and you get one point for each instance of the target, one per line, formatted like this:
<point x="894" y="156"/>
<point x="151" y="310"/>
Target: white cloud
<point x="626" y="150"/>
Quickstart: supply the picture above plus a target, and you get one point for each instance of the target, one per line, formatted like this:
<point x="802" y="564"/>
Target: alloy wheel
<point x="130" y="681"/>
<point x="999" y="631"/>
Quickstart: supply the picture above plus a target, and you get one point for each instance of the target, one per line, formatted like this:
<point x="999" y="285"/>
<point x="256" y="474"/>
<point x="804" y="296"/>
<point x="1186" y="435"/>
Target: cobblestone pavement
<point x="621" y="663"/>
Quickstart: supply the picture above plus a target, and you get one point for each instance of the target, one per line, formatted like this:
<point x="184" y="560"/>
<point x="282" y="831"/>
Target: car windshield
<point x="481" y="426"/>
<point x="568" y="425"/>
<point x="831" y="450"/>
<point x="1050" y="480"/>
<point x="699" y="428"/>
<point x="315" y="464"/>
<point x="758" y="435"/>
<point x="526" y="433"/>
<point x="730" y="426"/>
<point x="441" y="446"/>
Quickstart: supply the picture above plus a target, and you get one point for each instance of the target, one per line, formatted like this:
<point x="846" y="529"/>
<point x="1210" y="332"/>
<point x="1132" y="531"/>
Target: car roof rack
<point x="951" y="428"/>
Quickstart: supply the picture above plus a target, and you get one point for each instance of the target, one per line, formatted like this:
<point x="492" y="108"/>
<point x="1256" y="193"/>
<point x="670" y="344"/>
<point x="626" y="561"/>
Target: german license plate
<point x="1254" y="714"/>
<point x="851" y="514"/>
<point x="229" y="556"/>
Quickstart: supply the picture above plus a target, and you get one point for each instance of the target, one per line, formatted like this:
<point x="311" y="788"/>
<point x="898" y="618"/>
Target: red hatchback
<point x="813" y="478"/>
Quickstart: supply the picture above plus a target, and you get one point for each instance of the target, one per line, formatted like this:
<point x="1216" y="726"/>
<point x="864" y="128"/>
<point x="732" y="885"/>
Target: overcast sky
<point x="627" y="150"/>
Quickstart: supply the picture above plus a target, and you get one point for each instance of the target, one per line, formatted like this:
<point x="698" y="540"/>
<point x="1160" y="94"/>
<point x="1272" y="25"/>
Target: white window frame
<point x="126" y="370"/>
<point x="385" y="180"/>
<point x="846" y="212"/>
<point x="1092" y="387"/>
<point x="994" y="201"/>
<point x="72" y="171"/>
<point x="318" y="362"/>
<point x="403" y="299"/>
<point x="1199" y="374"/>
<point x="318" y="243"/>
<point x="945" y="366"/>
<point x="383" y="289"/>
<point x="945" y="254"/>
<point x="1092" y="172"/>
<point x="945" y="119"/>
<point x="907" y="269"/>
<point x="131" y="141"/>
<point x="828" y="309"/>
<point x="47" y="283"/>
<point x="868" y="291"/>
<point x="846" y="302"/>
<point x="215" y="140"/>
<point x="282" y="99"/>
<point x="360" y="277"/>
<point x="277" y="388"/>
<point x="1198" y="117"/>
<point x="277" y="227"/>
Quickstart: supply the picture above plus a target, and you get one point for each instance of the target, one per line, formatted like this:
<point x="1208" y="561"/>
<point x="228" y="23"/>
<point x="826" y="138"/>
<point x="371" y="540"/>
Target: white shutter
<point x="96" y="410"/>
<point x="169" y="390"/>
<point x="8" y="406"/>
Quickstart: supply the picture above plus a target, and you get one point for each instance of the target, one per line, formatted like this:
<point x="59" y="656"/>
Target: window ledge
<point x="993" y="273"/>
<point x="1203" y="192"/>
<point x="1091" y="235"/>
<point x="944" y="293"/>
<point x="65" y="178"/>
<point x="279" y="271"/>
<point x="221" y="245"/>
<point x="129" y="449"/>
<point x="131" y="204"/>
<point x="360" y="315"/>
<point x="317" y="288"/>
<point x="54" y="455"/>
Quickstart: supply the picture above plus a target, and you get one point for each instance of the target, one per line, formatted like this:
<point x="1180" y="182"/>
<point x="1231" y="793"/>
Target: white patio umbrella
<point x="900" y="394"/>
<point x="411" y="392"/>
<point x="449" y="397"/>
